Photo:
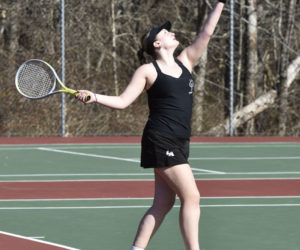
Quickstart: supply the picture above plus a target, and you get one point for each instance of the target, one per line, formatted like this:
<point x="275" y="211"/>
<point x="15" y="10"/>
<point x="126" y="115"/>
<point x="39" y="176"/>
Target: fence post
<point x="62" y="6"/>
<point x="231" y="68"/>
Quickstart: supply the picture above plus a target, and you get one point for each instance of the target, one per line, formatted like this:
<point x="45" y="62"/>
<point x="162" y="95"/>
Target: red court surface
<point x="143" y="189"/>
<point x="16" y="242"/>
<point x="137" y="139"/>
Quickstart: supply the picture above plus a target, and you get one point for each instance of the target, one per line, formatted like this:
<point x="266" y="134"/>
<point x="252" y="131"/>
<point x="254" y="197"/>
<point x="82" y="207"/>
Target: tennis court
<point x="92" y="196"/>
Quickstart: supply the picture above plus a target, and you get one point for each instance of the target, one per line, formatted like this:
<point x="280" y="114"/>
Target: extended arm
<point x="132" y="91"/>
<point x="191" y="54"/>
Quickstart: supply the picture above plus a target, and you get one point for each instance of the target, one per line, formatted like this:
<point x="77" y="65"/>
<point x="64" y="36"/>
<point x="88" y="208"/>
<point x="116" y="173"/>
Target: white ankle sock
<point x="136" y="248"/>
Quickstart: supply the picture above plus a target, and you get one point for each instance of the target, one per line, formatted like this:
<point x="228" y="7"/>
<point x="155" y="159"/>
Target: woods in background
<point x="267" y="64"/>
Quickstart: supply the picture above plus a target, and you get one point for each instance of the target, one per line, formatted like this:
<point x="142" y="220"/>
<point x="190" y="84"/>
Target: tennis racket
<point x="36" y="79"/>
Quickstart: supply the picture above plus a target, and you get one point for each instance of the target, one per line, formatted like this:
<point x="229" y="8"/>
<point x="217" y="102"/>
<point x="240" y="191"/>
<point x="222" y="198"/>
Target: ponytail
<point x="141" y="56"/>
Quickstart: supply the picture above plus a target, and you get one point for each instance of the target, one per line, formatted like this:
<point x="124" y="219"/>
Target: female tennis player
<point x="165" y="142"/>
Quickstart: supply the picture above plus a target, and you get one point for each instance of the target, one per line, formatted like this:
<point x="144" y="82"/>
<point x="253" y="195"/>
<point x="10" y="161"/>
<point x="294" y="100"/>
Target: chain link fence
<point x="32" y="29"/>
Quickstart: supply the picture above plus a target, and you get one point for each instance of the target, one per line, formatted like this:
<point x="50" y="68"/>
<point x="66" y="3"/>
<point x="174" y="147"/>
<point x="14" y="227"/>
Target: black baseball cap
<point x="152" y="34"/>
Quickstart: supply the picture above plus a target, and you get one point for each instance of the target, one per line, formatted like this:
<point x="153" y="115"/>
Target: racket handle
<point x="87" y="98"/>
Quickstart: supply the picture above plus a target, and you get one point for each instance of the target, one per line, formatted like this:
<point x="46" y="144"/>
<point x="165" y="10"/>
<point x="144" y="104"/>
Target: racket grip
<point x="87" y="98"/>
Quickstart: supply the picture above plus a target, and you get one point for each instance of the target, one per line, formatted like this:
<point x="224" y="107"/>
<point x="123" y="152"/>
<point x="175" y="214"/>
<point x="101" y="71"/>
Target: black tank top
<point x="170" y="101"/>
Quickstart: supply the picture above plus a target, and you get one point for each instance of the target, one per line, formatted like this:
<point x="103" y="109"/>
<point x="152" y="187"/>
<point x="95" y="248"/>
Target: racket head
<point x="35" y="79"/>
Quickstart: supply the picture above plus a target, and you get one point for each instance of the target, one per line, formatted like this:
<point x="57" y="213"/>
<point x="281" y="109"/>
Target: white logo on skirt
<point x="170" y="153"/>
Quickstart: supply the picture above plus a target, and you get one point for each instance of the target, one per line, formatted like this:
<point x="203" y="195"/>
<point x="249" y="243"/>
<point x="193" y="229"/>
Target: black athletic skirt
<point x="161" y="150"/>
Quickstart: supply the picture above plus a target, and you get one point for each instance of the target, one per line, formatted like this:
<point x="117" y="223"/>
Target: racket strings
<point x="36" y="79"/>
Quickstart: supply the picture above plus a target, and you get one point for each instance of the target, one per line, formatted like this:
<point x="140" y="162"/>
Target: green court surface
<point x="241" y="223"/>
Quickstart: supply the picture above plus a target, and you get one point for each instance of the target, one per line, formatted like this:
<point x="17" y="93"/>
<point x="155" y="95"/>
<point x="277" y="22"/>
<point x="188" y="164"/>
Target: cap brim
<point x="166" y="26"/>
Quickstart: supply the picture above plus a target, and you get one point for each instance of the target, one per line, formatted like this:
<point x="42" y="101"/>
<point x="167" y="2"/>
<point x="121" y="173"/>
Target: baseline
<point x="14" y="241"/>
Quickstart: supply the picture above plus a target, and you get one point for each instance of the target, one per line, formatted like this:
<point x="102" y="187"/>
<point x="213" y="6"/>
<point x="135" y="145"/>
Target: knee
<point x="192" y="198"/>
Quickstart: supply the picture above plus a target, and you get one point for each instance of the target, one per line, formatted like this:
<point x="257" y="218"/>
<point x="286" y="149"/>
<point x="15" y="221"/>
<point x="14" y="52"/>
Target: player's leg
<point x="181" y="179"/>
<point x="164" y="199"/>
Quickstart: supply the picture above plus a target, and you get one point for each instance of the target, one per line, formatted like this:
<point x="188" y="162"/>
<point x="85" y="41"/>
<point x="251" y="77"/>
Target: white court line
<point x="252" y="173"/>
<point x="208" y="171"/>
<point x="37" y="237"/>
<point x="79" y="180"/>
<point x="112" y="158"/>
<point x="260" y="173"/>
<point x="82" y="174"/>
<point x="246" y="158"/>
<point x="72" y="147"/>
<point x="36" y="240"/>
<point x="245" y="145"/>
<point x="74" y="207"/>
<point x="151" y="180"/>
<point x="149" y="199"/>
<point x="253" y="205"/>
<point x="137" y="145"/>
<point x="84" y="199"/>
<point x="144" y="174"/>
<point x="90" y="155"/>
<point x="147" y="206"/>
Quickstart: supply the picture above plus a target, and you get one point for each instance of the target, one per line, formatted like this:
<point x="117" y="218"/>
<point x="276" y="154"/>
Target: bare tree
<point x="30" y="29"/>
<point x="283" y="88"/>
<point x="259" y="105"/>
<point x="198" y="103"/>
<point x="252" y="60"/>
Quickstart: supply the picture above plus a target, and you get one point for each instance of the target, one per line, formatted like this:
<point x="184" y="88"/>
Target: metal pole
<point x="231" y="68"/>
<point x="63" y="130"/>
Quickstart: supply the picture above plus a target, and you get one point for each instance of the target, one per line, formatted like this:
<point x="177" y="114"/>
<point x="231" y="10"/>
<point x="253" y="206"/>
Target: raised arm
<point x="191" y="54"/>
<point x="132" y="91"/>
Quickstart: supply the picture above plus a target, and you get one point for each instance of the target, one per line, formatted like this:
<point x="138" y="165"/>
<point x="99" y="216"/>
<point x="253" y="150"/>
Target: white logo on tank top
<point x="191" y="85"/>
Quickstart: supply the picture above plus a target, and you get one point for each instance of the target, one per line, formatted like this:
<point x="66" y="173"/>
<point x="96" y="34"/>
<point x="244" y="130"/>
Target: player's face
<point x="167" y="39"/>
